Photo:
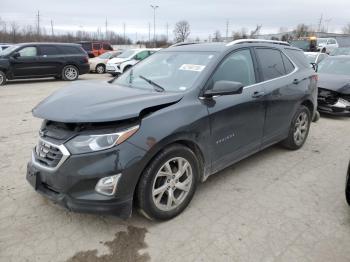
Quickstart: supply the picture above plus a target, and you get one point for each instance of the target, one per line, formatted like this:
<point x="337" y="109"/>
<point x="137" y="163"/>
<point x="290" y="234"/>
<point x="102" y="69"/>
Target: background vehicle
<point x="334" y="85"/>
<point x="340" y="51"/>
<point x="315" y="57"/>
<point x="307" y="44"/>
<point x="127" y="59"/>
<point x="4" y="46"/>
<point x="98" y="64"/>
<point x="96" y="48"/>
<point x="174" y="119"/>
<point x="35" y="60"/>
<point x="326" y="45"/>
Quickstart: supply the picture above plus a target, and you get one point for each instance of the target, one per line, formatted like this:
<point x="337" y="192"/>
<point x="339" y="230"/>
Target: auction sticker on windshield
<point x="191" y="67"/>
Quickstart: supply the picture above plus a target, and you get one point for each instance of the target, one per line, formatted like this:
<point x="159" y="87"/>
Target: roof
<point x="45" y="43"/>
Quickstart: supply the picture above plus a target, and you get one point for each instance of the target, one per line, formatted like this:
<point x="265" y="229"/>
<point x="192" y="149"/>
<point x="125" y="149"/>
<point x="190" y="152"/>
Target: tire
<point x="70" y="73"/>
<point x="157" y="177"/>
<point x="100" y="69"/>
<point x="298" y="131"/>
<point x="316" y="116"/>
<point x="323" y="50"/>
<point x="2" y="78"/>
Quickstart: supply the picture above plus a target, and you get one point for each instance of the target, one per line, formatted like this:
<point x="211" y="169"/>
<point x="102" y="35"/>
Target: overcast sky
<point x="204" y="16"/>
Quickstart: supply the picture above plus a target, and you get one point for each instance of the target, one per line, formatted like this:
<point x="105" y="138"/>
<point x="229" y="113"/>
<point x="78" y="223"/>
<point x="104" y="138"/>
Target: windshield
<point x="302" y="44"/>
<point x="335" y="66"/>
<point x="127" y="54"/>
<point x="106" y="55"/>
<point x="8" y="50"/>
<point x="173" y="71"/>
<point x="321" y="41"/>
<point x="311" y="57"/>
<point x="341" y="51"/>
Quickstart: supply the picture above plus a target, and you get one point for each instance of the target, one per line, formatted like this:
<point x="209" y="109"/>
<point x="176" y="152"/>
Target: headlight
<point x="91" y="143"/>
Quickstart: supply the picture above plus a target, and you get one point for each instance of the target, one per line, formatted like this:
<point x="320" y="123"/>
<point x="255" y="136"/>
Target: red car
<point x="96" y="48"/>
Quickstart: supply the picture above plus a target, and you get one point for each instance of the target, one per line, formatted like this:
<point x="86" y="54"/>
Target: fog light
<point x="107" y="185"/>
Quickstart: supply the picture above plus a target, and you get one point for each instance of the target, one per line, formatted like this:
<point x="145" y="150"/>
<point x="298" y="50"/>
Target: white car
<point x="127" y="59"/>
<point x="326" y="45"/>
<point x="315" y="57"/>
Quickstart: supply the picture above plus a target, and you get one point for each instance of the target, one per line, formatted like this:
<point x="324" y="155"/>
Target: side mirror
<point x="314" y="66"/>
<point x="16" y="55"/>
<point x="223" y="88"/>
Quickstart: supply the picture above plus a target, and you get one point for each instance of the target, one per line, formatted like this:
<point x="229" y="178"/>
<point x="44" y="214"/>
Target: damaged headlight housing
<point x="92" y="143"/>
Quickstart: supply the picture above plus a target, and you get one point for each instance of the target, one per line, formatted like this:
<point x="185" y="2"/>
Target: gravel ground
<point x="277" y="205"/>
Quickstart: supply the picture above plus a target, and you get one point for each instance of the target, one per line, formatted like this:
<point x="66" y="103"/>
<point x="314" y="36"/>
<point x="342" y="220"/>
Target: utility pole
<point x="38" y="23"/>
<point x="149" y="34"/>
<point x="227" y="24"/>
<point x="106" y="25"/>
<point x="52" y="33"/>
<point x="154" y="7"/>
<point x="320" y="23"/>
<point x="124" y="34"/>
<point x="167" y="32"/>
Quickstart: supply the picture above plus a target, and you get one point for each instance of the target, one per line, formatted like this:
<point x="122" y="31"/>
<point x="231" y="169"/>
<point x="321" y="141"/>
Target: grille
<point x="47" y="154"/>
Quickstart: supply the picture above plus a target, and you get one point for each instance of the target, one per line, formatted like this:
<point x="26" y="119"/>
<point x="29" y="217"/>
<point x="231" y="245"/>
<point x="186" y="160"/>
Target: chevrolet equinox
<point x="149" y="137"/>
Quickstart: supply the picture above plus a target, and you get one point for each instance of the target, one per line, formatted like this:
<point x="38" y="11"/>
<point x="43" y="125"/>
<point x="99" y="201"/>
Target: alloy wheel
<point x="71" y="73"/>
<point x="301" y="128"/>
<point x="100" y="69"/>
<point x="172" y="184"/>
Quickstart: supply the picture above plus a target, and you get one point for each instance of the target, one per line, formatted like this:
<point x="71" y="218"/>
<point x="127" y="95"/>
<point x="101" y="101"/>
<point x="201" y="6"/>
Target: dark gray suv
<point x="171" y="121"/>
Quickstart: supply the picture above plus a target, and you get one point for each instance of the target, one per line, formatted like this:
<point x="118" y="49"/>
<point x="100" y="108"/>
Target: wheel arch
<point x="308" y="103"/>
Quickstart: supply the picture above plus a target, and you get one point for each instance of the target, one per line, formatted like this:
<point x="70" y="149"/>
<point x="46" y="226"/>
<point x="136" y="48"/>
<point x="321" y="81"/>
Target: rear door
<point x="50" y="60"/>
<point x="27" y="64"/>
<point x="282" y="89"/>
<point x="236" y="120"/>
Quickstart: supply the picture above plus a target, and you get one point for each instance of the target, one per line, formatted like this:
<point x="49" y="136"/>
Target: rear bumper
<point x="335" y="111"/>
<point x="84" y="69"/>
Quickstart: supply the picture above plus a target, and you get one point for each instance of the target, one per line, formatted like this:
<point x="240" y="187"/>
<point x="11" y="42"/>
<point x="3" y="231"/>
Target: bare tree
<point x="14" y="31"/>
<point x="217" y="36"/>
<point x="182" y="31"/>
<point x="302" y="30"/>
<point x="255" y="32"/>
<point x="346" y="29"/>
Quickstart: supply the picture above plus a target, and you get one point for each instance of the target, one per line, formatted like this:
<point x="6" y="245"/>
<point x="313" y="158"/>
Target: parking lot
<point x="277" y="205"/>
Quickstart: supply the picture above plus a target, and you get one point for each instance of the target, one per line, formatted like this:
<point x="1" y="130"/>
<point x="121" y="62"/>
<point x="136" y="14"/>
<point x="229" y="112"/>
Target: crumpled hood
<point x="338" y="83"/>
<point x="117" y="60"/>
<point x="98" y="101"/>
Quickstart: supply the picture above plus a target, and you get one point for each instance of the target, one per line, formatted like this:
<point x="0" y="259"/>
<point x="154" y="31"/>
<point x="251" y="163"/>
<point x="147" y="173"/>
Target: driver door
<point x="26" y="64"/>
<point x="236" y="121"/>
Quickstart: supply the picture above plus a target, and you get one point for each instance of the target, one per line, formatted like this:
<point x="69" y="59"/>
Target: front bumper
<point x="113" y="69"/>
<point x="72" y="185"/>
<point x="340" y="108"/>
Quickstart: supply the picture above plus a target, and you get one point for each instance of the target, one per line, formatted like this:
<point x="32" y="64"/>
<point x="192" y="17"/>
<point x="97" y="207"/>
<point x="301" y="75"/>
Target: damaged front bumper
<point x="333" y="103"/>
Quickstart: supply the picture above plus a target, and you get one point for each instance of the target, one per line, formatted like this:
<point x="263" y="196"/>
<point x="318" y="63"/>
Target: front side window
<point x="127" y="54"/>
<point x="237" y="67"/>
<point x="28" y="51"/>
<point x="271" y="63"/>
<point x="174" y="71"/>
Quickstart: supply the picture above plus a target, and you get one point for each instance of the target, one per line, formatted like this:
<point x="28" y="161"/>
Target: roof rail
<point x="242" y="41"/>
<point x="184" y="43"/>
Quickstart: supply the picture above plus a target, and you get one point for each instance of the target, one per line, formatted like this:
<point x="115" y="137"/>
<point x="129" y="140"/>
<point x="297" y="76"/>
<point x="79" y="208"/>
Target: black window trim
<point x="22" y="47"/>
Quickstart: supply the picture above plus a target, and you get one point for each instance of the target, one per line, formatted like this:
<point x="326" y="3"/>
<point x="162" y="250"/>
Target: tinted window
<point x="271" y="63"/>
<point x="298" y="57"/>
<point x="107" y="47"/>
<point x="71" y="50"/>
<point x="86" y="46"/>
<point x="287" y="64"/>
<point x="96" y="46"/>
<point x="28" y="51"/>
<point x="237" y="67"/>
<point x="49" y="50"/>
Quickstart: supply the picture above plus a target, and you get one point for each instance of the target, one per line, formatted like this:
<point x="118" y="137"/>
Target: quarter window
<point x="271" y="63"/>
<point x="237" y="67"/>
<point x="287" y="64"/>
<point x="28" y="51"/>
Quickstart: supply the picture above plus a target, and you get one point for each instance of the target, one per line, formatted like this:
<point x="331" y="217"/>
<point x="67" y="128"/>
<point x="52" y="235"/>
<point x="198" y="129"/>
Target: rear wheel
<point x="2" y="78"/>
<point x="168" y="184"/>
<point x="100" y="69"/>
<point x="299" y="129"/>
<point x="70" y="73"/>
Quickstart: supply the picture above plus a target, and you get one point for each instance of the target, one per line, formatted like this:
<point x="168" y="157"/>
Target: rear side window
<point x="287" y="64"/>
<point x="107" y="47"/>
<point x="87" y="46"/>
<point x="237" y="67"/>
<point x="49" y="50"/>
<point x="71" y="50"/>
<point x="298" y="57"/>
<point x="271" y="63"/>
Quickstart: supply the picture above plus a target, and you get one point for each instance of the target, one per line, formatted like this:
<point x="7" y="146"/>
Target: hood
<point x="117" y="60"/>
<point x="338" y="83"/>
<point x="98" y="101"/>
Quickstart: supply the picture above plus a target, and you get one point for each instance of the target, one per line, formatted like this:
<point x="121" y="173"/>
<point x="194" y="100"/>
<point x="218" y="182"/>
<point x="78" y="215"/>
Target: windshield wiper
<point x="157" y="87"/>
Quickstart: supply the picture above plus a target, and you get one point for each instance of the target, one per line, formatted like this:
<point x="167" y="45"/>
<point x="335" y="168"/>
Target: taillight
<point x="86" y="59"/>
<point x="315" y="78"/>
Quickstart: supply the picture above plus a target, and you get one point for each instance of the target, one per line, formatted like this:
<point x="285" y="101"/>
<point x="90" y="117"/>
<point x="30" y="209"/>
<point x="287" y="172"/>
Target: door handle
<point x="296" y="81"/>
<point x="258" y="94"/>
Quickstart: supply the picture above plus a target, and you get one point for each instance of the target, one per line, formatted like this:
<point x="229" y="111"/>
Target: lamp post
<point x="154" y="7"/>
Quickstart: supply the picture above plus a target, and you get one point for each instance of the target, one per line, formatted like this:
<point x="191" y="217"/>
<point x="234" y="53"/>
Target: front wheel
<point x="70" y="73"/>
<point x="299" y="129"/>
<point x="168" y="184"/>
<point x="100" y="69"/>
<point x="2" y="78"/>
